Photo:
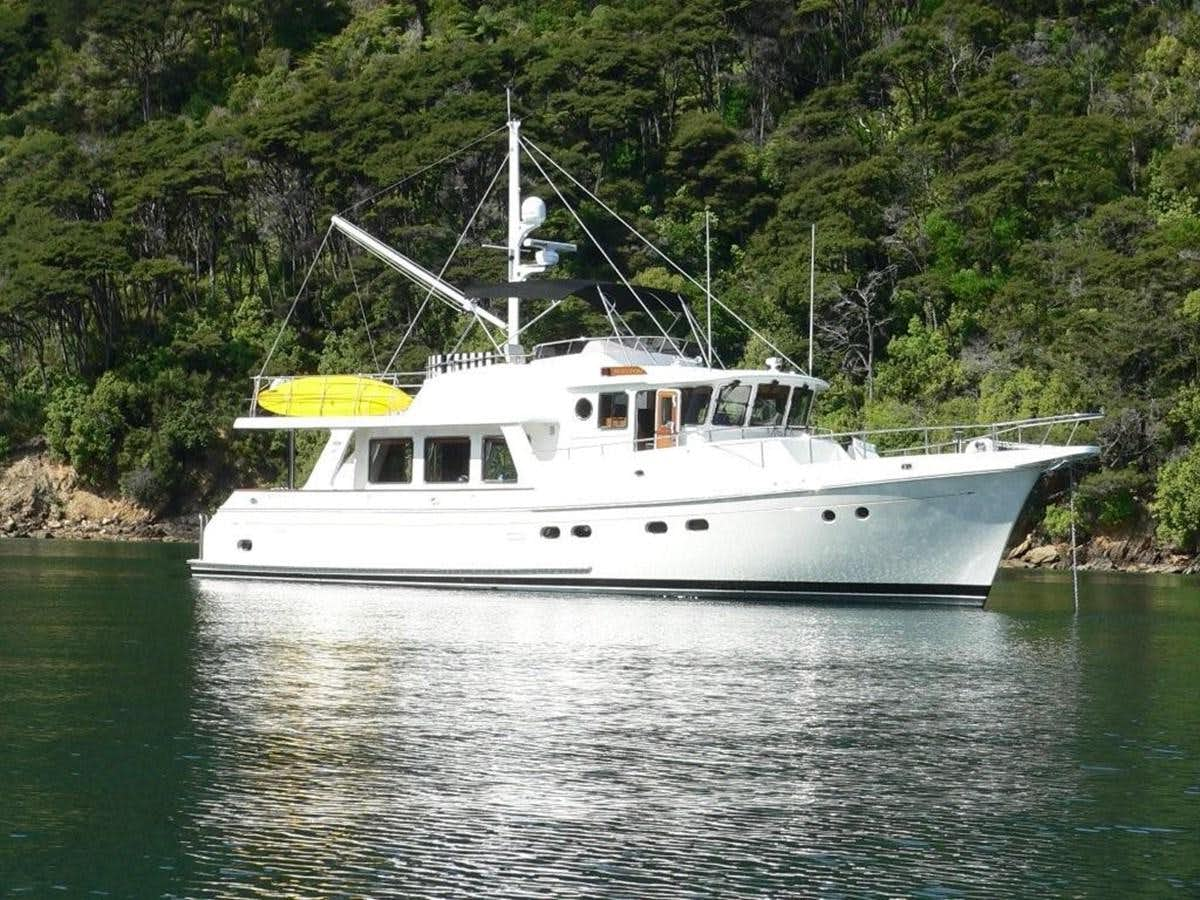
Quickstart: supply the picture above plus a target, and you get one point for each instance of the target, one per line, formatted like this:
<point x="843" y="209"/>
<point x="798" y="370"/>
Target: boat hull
<point x="930" y="540"/>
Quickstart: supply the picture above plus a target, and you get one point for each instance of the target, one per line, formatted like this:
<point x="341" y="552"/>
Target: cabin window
<point x="497" y="461"/>
<point x="694" y="402"/>
<point x="769" y="404"/>
<point x="447" y="459"/>
<point x="731" y="404"/>
<point x="391" y="461"/>
<point x="614" y="410"/>
<point x="801" y="403"/>
<point x="583" y="409"/>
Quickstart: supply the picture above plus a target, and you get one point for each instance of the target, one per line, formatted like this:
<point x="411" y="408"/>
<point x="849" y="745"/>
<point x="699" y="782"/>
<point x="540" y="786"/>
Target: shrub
<point x="1177" y="499"/>
<point x="65" y="404"/>
<point x="1112" y="497"/>
<point x="1057" y="521"/>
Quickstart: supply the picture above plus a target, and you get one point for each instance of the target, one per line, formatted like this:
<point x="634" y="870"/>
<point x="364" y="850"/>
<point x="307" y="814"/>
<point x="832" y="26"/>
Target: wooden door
<point x="666" y="418"/>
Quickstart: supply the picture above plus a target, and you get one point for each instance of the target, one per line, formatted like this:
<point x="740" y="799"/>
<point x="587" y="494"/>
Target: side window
<point x="497" y="461"/>
<point x="731" y="404"/>
<point x="390" y="461"/>
<point x="769" y="403"/>
<point x="801" y="403"/>
<point x="614" y="410"/>
<point x="694" y="402"/>
<point x="447" y="459"/>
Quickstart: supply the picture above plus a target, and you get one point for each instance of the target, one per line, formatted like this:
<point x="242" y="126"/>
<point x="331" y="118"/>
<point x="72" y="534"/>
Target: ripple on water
<point x="451" y="745"/>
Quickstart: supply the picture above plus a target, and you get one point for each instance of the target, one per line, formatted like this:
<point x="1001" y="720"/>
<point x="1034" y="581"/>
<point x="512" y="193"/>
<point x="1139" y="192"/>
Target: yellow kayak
<point x="332" y="395"/>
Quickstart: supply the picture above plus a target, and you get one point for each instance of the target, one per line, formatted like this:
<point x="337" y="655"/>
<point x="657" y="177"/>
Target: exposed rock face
<point x="1042" y="556"/>
<point x="1137" y="553"/>
<point x="42" y="498"/>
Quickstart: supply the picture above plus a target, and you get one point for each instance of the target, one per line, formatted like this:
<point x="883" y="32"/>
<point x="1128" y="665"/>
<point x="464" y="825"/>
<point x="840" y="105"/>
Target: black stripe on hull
<point x="964" y="594"/>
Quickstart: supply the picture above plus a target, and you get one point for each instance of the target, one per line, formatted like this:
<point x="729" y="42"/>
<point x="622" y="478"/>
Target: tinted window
<point x="694" y="401"/>
<point x="497" y="461"/>
<point x="769" y="403"/>
<point x="614" y="410"/>
<point x="731" y="404"/>
<point x="801" y="403"/>
<point x="447" y="459"/>
<point x="391" y="461"/>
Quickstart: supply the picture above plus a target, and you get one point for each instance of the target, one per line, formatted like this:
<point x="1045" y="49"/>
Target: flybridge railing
<point x="963" y="437"/>
<point x="321" y="391"/>
<point x="646" y="343"/>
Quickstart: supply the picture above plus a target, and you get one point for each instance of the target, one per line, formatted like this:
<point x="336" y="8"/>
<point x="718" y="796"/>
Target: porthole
<point x="245" y="544"/>
<point x="582" y="531"/>
<point x="862" y="512"/>
<point x="656" y="527"/>
<point x="829" y="515"/>
<point x="697" y="525"/>
<point x="583" y="408"/>
<point x="550" y="531"/>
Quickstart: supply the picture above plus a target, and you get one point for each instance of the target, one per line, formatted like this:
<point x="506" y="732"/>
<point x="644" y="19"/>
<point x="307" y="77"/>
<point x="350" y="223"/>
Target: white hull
<point x="934" y="537"/>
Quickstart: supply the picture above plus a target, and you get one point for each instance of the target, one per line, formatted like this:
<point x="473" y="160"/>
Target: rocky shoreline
<point x="1101" y="554"/>
<point x="40" y="498"/>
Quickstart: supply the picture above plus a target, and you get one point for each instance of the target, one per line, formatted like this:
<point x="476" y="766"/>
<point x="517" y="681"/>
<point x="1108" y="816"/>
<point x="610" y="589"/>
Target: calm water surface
<point x="158" y="737"/>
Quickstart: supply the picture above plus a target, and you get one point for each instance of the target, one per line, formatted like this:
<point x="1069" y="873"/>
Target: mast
<point x="516" y="234"/>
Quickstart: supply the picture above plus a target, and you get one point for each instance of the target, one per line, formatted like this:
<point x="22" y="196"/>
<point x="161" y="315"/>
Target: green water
<point x="163" y="738"/>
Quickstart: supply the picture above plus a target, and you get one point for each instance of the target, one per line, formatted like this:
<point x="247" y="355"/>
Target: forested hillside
<point x="1007" y="197"/>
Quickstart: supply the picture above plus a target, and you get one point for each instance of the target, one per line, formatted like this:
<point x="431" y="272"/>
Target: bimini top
<point x="599" y="294"/>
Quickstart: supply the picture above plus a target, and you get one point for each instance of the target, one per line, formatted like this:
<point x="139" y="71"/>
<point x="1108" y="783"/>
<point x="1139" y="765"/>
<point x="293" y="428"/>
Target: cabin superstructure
<point x="492" y="423"/>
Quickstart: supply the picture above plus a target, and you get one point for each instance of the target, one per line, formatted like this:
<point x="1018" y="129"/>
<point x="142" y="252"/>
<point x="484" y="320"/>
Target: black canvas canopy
<point x="618" y="296"/>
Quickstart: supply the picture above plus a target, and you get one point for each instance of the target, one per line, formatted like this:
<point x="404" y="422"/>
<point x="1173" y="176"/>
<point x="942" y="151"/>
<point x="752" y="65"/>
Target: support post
<point x="812" y="292"/>
<point x="291" y="458"/>
<point x="708" y="285"/>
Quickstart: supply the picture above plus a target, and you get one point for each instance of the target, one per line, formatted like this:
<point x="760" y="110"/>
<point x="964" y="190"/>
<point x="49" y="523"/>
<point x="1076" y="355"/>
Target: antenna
<point x="812" y="293"/>
<point x="708" y="284"/>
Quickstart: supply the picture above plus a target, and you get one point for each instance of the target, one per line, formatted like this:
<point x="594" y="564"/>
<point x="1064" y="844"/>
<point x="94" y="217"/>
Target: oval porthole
<point x="582" y="531"/>
<point x="656" y="527"/>
<point x="829" y="515"/>
<point x="862" y="512"/>
<point x="583" y="408"/>
<point x="245" y="544"/>
<point x="697" y="525"/>
<point x="551" y="531"/>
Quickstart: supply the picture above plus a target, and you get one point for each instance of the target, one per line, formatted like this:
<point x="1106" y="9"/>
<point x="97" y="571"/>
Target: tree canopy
<point x="1007" y="198"/>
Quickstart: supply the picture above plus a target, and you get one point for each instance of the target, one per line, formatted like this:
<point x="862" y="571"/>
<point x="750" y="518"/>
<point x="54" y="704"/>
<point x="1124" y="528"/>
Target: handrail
<point x="961" y="433"/>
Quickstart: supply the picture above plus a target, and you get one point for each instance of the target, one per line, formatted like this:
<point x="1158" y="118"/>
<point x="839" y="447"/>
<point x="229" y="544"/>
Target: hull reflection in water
<point x="474" y="742"/>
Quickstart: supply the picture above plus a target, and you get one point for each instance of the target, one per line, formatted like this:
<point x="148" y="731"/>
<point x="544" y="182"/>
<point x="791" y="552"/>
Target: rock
<point x="1042" y="556"/>
<point x="1022" y="548"/>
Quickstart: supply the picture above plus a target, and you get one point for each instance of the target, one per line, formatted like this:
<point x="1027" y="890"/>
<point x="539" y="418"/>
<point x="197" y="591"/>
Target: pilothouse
<point x="616" y="462"/>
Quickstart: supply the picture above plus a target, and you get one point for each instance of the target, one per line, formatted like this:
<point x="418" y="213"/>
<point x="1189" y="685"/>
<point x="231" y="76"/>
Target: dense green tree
<point x="1007" y="199"/>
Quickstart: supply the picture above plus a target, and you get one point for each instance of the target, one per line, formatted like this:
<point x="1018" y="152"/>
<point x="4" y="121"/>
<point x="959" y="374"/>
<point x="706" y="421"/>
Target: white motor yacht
<point x="618" y="462"/>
